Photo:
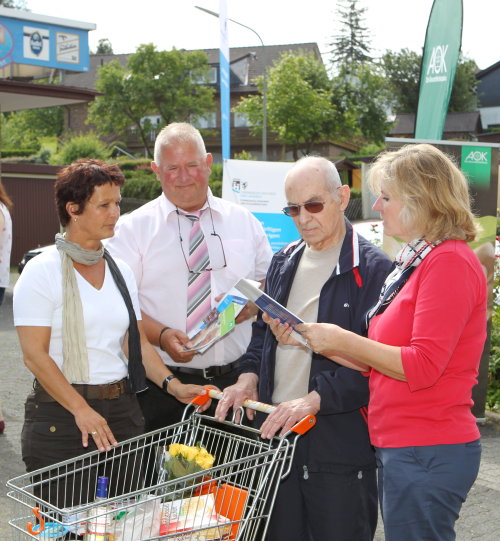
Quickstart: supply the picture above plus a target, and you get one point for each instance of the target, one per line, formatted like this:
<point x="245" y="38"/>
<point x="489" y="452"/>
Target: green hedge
<point x="10" y="152"/>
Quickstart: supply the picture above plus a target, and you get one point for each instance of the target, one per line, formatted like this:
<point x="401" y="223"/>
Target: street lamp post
<point x="264" y="93"/>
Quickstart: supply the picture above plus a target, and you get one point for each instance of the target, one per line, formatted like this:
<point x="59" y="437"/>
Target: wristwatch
<point x="166" y="381"/>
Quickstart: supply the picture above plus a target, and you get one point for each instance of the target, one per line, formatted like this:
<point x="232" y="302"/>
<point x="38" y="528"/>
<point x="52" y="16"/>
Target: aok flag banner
<point x="439" y="64"/>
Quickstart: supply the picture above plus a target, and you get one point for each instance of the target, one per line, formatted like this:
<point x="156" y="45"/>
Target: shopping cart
<point x="230" y="501"/>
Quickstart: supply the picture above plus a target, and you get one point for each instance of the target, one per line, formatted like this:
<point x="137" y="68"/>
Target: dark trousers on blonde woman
<point x="422" y="489"/>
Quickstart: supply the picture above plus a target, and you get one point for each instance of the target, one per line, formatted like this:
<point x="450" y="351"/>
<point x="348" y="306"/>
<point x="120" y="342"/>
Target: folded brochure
<point x="218" y="322"/>
<point x="250" y="289"/>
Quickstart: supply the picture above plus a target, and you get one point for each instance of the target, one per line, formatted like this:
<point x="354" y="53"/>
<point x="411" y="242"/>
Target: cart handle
<point x="301" y="427"/>
<point x="41" y="526"/>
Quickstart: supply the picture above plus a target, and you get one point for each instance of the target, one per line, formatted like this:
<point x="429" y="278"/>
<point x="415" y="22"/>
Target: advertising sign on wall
<point x="258" y="186"/>
<point x="38" y="40"/>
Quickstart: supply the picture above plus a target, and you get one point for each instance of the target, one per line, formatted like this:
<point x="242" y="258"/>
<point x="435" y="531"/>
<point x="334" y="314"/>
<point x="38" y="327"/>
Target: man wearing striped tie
<point x="186" y="249"/>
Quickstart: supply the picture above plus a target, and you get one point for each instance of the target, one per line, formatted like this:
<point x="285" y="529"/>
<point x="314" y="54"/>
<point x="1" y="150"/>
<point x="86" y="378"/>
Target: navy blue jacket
<point x="339" y="441"/>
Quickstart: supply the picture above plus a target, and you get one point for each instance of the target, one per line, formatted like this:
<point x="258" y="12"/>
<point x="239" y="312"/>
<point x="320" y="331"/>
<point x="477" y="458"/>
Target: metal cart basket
<point x="232" y="500"/>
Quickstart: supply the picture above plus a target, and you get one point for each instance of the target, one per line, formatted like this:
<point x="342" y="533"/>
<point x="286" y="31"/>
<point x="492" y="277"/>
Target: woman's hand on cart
<point x="234" y="396"/>
<point x="93" y="425"/>
<point x="287" y="414"/>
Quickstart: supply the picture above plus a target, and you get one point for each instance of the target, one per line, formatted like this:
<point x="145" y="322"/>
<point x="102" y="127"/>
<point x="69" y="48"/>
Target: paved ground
<point x="479" y="520"/>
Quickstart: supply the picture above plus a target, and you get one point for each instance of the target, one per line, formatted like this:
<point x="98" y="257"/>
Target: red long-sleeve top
<point x="439" y="321"/>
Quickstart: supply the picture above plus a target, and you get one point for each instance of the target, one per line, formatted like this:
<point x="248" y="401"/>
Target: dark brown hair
<point x="76" y="183"/>
<point x="4" y="198"/>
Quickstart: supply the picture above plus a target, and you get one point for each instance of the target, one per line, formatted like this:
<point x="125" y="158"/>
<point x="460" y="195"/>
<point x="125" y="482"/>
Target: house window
<point x="210" y="78"/>
<point x="208" y="120"/>
<point x="241" y="120"/>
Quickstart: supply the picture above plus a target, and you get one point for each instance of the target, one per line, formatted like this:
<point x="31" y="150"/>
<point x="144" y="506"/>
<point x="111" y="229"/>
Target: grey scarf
<point x="75" y="356"/>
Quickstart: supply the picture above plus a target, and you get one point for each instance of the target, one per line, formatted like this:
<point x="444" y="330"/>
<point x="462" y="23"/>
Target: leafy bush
<point x="355" y="193"/>
<point x="493" y="392"/>
<point x="127" y="164"/>
<point x="86" y="145"/>
<point x="12" y="152"/>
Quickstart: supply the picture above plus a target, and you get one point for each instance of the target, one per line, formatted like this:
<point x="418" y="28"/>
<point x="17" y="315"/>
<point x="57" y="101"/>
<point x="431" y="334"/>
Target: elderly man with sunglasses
<point x="329" y="275"/>
<point x="187" y="248"/>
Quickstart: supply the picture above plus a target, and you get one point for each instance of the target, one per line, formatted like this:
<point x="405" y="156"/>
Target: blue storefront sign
<point x="38" y="40"/>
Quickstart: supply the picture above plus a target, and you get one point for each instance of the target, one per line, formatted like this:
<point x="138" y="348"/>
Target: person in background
<point x="330" y="275"/>
<point x="425" y="340"/>
<point x="187" y="248"/>
<point x="5" y="248"/>
<point x="76" y="310"/>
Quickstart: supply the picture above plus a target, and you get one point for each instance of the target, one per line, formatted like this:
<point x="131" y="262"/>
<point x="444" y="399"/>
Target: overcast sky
<point x="394" y="24"/>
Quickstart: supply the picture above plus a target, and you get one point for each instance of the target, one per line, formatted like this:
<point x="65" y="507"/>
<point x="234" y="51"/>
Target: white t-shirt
<point x="5" y="245"/>
<point x="38" y="302"/>
<point x="148" y="240"/>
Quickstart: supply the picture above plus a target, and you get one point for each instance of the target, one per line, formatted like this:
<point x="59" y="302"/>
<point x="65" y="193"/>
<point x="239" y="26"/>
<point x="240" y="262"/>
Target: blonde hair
<point x="432" y="189"/>
<point x="178" y="132"/>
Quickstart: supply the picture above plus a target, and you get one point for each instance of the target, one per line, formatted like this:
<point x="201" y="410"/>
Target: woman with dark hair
<point x="76" y="312"/>
<point x="5" y="247"/>
<point x="425" y="339"/>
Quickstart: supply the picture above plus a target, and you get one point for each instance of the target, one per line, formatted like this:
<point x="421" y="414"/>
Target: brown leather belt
<point x="209" y="373"/>
<point x="107" y="391"/>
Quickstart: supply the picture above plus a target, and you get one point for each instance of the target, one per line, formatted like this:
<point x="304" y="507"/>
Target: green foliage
<point x="10" y="152"/>
<point x="104" y="47"/>
<point x="164" y="83"/>
<point x="244" y="155"/>
<point x="215" y="180"/>
<point x="141" y="185"/>
<point x="299" y="105"/>
<point x="355" y="193"/>
<point x="493" y="391"/>
<point x="402" y="72"/>
<point x="86" y="145"/>
<point x="127" y="164"/>
<point x="351" y="45"/>
<point x="23" y="129"/>
<point x="361" y="97"/>
<point x="463" y="95"/>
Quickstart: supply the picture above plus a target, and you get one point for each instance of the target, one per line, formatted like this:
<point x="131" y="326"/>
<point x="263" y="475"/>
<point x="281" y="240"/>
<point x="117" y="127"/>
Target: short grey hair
<point x="178" y="132"/>
<point x="327" y="169"/>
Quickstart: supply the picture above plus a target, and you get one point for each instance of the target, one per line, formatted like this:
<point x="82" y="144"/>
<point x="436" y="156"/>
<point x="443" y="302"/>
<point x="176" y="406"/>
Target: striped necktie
<point x="198" y="293"/>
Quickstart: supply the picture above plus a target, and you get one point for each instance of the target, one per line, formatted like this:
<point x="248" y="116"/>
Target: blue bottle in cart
<point x="99" y="519"/>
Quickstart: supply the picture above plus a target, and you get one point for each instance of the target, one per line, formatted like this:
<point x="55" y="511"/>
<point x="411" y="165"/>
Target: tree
<point x="104" y="47"/>
<point x="299" y="104"/>
<point x="361" y="97"/>
<point x="402" y="70"/>
<point x="164" y="83"/>
<point x="464" y="93"/>
<point x="352" y="44"/>
<point x="23" y="129"/>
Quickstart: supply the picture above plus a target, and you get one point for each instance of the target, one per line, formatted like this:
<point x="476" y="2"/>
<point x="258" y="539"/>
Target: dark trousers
<point x="50" y="435"/>
<point x="422" y="489"/>
<point x="326" y="505"/>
